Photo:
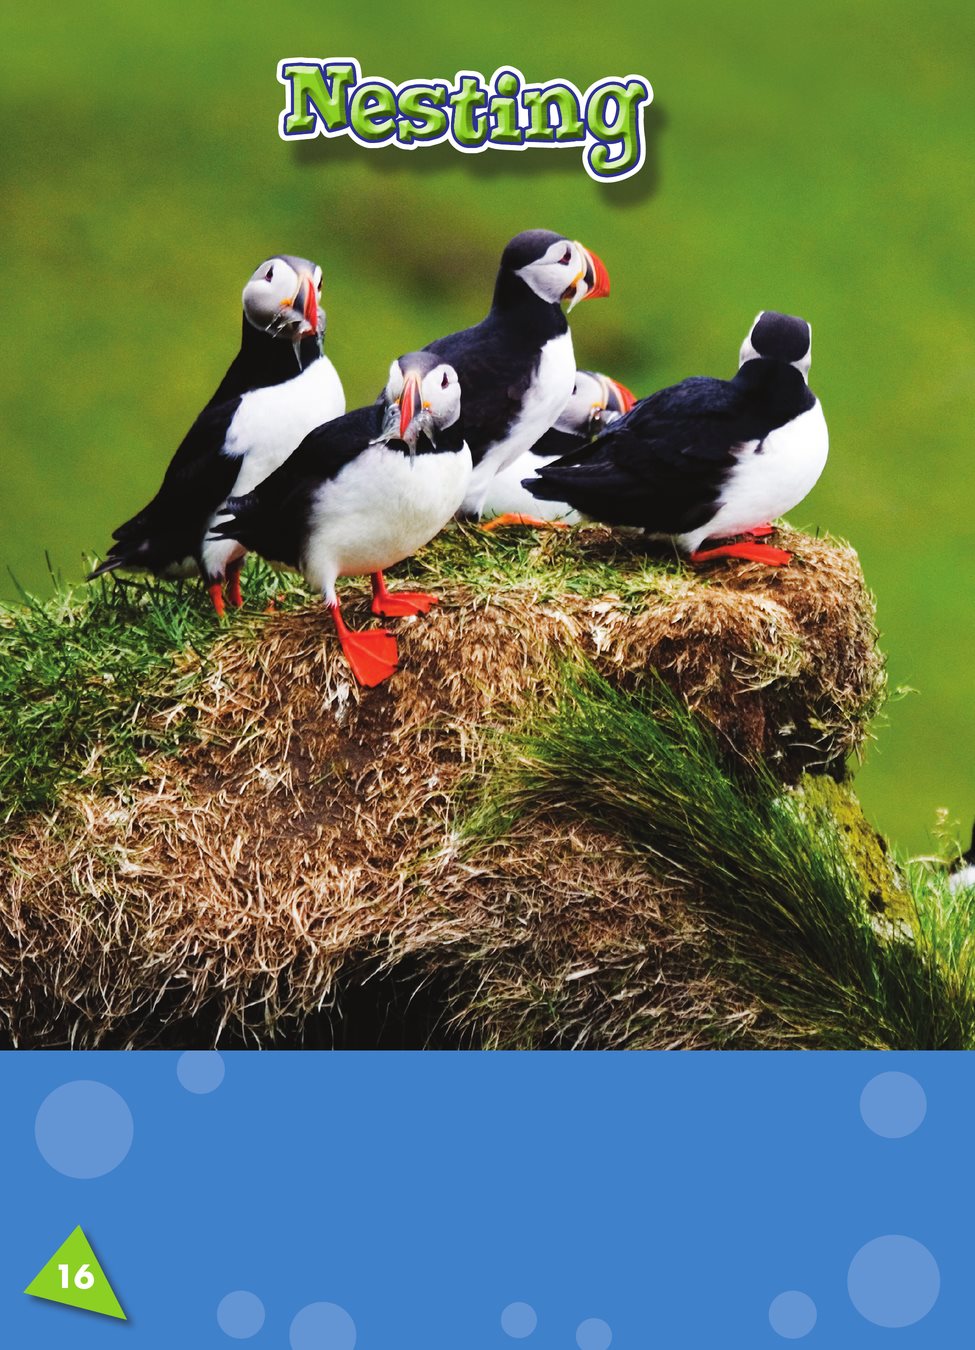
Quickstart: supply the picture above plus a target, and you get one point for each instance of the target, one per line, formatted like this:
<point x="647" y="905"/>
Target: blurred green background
<point x="814" y="159"/>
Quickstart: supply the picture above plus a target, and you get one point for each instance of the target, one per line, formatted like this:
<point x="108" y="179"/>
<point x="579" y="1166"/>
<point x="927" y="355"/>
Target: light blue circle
<point x="200" y="1070"/>
<point x="893" y="1104"/>
<point x="83" y="1129"/>
<point x="519" y="1320"/>
<point x="792" y="1314"/>
<point x="893" y="1281"/>
<point x="593" y="1334"/>
<point x="322" y="1326"/>
<point x="240" y="1314"/>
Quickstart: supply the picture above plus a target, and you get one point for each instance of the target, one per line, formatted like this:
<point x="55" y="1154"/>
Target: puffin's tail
<point x="542" y="487"/>
<point x="234" y="511"/>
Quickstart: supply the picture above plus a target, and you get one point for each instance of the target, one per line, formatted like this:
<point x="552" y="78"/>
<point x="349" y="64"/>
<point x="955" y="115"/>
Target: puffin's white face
<point x="778" y="337"/>
<point x="595" y="401"/>
<point x="283" y="298"/>
<point x="566" y="271"/>
<point x="427" y="403"/>
<point x="440" y="395"/>
<point x="588" y="398"/>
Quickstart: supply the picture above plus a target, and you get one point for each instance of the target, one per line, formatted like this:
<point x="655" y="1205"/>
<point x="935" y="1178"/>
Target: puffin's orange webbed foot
<point x="760" y="553"/>
<point x="516" y="518"/>
<point x="400" y="604"/>
<point x="372" y="655"/>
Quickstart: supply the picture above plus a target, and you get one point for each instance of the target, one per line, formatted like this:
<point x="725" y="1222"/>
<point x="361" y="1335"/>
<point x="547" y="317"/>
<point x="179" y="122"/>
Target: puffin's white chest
<point x="544" y="400"/>
<point x="506" y="494"/>
<point x="380" y="509"/>
<point x="268" y="425"/>
<point x="770" y="477"/>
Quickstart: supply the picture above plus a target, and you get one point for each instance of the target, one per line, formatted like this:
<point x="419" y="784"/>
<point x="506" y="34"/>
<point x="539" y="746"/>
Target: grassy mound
<point x="582" y="813"/>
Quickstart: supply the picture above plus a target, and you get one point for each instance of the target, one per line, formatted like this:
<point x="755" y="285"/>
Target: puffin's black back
<point x="496" y="359"/>
<point x="198" y="478"/>
<point x="662" y="465"/>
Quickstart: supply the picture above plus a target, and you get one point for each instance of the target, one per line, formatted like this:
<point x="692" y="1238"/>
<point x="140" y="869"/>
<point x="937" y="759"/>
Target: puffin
<point x="962" y="875"/>
<point x="595" y="402"/>
<point x="361" y="493"/>
<point x="517" y="367"/>
<point x="279" y="387"/>
<point x="708" y="458"/>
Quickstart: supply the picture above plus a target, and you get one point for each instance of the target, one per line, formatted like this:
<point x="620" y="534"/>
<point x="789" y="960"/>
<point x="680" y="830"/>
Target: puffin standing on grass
<point x="594" y="403"/>
<point x="708" y="458"/>
<point x="517" y="366"/>
<point x="360" y="494"/>
<point x="278" y="388"/>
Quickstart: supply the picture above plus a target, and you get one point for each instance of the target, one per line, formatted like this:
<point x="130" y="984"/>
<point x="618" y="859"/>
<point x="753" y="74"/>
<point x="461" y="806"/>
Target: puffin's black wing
<point x="273" y="520"/>
<point x="199" y="476"/>
<point x="662" y="465"/>
<point x="495" y="367"/>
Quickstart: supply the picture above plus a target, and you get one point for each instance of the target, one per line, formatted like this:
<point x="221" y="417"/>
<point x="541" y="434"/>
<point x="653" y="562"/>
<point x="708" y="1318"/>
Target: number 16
<point x="83" y="1278"/>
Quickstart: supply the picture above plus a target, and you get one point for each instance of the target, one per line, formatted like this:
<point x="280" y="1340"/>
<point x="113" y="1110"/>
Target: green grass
<point x="85" y="673"/>
<point x="546" y="563"/>
<point x="788" y="913"/>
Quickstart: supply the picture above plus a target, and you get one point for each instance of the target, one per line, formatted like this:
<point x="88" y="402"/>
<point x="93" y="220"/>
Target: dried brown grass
<point x="302" y="863"/>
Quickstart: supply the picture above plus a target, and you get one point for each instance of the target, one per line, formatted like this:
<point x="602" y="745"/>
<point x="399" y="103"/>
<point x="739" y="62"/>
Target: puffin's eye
<point x="445" y="381"/>
<point x="566" y="257"/>
<point x="269" y="274"/>
<point x="575" y="389"/>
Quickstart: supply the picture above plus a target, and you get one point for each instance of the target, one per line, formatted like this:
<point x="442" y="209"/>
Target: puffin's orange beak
<point x="626" y="398"/>
<point x="596" y="277"/>
<point x="310" y="307"/>
<point x="408" y="402"/>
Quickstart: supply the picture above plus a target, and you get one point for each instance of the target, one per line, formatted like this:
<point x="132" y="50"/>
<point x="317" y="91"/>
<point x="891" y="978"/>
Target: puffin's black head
<point x="595" y="401"/>
<point x="555" y="268"/>
<point x="283" y="298"/>
<point x="778" y="337"/>
<point x="423" y="394"/>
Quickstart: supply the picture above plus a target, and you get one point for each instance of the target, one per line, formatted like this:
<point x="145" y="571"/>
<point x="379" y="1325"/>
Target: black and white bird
<point x="279" y="387"/>
<point x="517" y="366"/>
<point x="595" y="402"/>
<point x="708" y="458"/>
<point x="962" y="875"/>
<point x="361" y="493"/>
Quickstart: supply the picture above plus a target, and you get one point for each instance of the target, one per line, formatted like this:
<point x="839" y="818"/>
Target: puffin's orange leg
<point x="515" y="518"/>
<point x="759" y="532"/>
<point x="216" y="595"/>
<point x="761" y="553"/>
<point x="234" y="596"/>
<point x="402" y="603"/>
<point x="372" y="655"/>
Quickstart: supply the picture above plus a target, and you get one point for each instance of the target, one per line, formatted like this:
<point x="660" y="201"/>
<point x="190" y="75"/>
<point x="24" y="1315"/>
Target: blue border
<point x="669" y="1197"/>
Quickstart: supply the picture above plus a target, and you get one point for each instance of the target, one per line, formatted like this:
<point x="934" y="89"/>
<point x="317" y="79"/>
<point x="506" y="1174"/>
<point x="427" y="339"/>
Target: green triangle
<point x="76" y="1254"/>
